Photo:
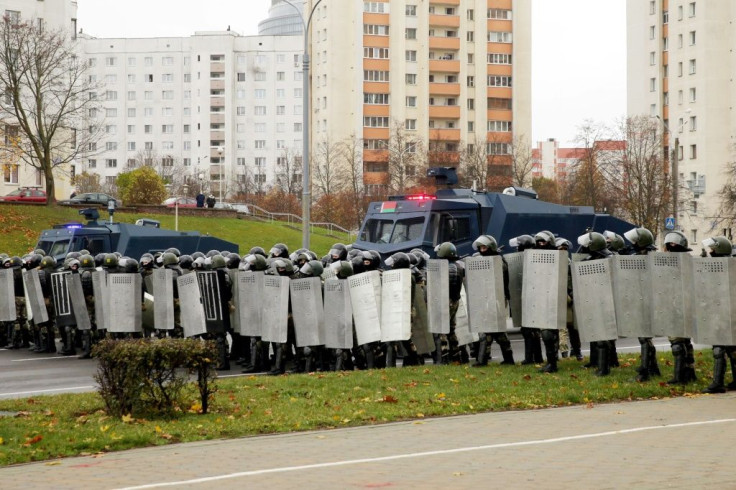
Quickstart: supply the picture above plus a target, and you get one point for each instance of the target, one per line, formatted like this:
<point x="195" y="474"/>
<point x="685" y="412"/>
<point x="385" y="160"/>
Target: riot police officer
<point x="17" y="333"/>
<point x="456" y="272"/>
<point x="532" y="336"/>
<point x="642" y="242"/>
<point x="487" y="246"/>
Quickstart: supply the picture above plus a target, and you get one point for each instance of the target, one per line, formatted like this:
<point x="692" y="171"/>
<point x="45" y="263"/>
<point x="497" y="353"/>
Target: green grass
<point x="67" y="425"/>
<point x="21" y="226"/>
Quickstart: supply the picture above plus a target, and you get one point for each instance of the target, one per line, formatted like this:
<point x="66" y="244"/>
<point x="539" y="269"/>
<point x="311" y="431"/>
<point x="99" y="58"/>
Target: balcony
<point x="444" y="134"/>
<point x="217" y="119"/>
<point x="450" y="43"/>
<point x="445" y="66"/>
<point x="217" y="101"/>
<point x="696" y="186"/>
<point x="217" y="85"/>
<point x="444" y="89"/>
<point x="217" y="67"/>
<point x="444" y="2"/>
<point x="217" y="135"/>
<point x="444" y="20"/>
<point x="444" y="112"/>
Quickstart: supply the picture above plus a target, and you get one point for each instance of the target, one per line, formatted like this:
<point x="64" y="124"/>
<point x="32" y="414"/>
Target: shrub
<point x="138" y="376"/>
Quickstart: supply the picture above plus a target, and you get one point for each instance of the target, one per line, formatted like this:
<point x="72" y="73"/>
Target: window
<point x="499" y="126"/>
<point x="652" y="84"/>
<point x="692" y="38"/>
<point x="148" y="95"/>
<point x="111" y="162"/>
<point x="131" y="145"/>
<point x="260" y="76"/>
<point x="111" y="61"/>
<point x="148" y="112"/>
<point x="167" y="145"/>
<point x="260" y="110"/>
<point x="693" y="94"/>
<point x="240" y="128"/>
<point x="111" y="95"/>
<point x="167" y="128"/>
<point x="374" y="53"/>
<point x="297" y="127"/>
<point x="148" y="145"/>
<point x="691" y="67"/>
<point x="693" y="123"/>
<point x="111" y="129"/>
<point x="375" y="99"/>
<point x="375" y="30"/>
<point x="111" y="112"/>
<point x="376" y="122"/>
<point x="259" y="127"/>
<point x="280" y="76"/>
<point x="470" y="36"/>
<point x="499" y="148"/>
<point x="499" y="81"/>
<point x="499" y="59"/>
<point x="691" y="9"/>
<point x="471" y="81"/>
<point x="260" y="161"/>
<point x="187" y="78"/>
<point x="10" y="173"/>
<point x="471" y="127"/>
<point x="501" y="14"/>
<point x="260" y="144"/>
<point x="471" y="104"/>
<point x="679" y="41"/>
<point x="693" y="152"/>
<point x="374" y="76"/>
<point x="652" y="32"/>
<point x="499" y="37"/>
<point x="167" y="60"/>
<point x="167" y="94"/>
<point x="131" y="128"/>
<point x="679" y="12"/>
<point x="411" y="101"/>
<point x="92" y="163"/>
<point x="280" y="110"/>
<point x="260" y="93"/>
<point x="167" y="111"/>
<point x="297" y="93"/>
<point x="411" y="10"/>
<point x="410" y="33"/>
<point x="187" y="129"/>
<point x="411" y="55"/>
<point x="297" y="110"/>
<point x="112" y="78"/>
<point x="411" y="79"/>
<point x="167" y="77"/>
<point x="375" y="7"/>
<point x="652" y="58"/>
<point x="148" y="129"/>
<point x="652" y="7"/>
<point x="679" y="69"/>
<point x="131" y="112"/>
<point x="665" y="17"/>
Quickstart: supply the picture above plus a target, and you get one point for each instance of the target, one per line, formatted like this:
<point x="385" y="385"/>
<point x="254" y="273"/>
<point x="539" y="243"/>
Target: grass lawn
<point x="48" y="427"/>
<point x="22" y="225"/>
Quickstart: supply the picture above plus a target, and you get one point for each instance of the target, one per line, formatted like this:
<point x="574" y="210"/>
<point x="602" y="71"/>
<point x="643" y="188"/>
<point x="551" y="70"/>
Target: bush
<point x="144" y="376"/>
<point x="141" y="186"/>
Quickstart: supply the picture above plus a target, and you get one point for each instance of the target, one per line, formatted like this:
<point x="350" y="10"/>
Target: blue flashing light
<point x="74" y="226"/>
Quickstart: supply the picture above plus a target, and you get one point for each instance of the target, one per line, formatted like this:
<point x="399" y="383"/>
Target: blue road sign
<point x="669" y="223"/>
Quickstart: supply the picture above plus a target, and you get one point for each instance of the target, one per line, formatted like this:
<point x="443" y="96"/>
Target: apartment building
<point x="223" y="107"/>
<point x="680" y="70"/>
<point x="448" y="72"/>
<point x="56" y="14"/>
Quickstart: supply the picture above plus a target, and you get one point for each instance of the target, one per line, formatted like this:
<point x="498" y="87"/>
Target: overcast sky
<point x="578" y="65"/>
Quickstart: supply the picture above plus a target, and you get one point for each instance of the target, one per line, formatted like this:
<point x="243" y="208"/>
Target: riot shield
<point x="484" y="291"/>
<point x="594" y="310"/>
<point x="149" y="283"/>
<point x="420" y="334"/>
<point x="338" y="315"/>
<point x="396" y="305"/>
<point x="438" y="296"/>
<point x="29" y="310"/>
<point x="275" y="309"/>
<point x="62" y="301"/>
<point x="79" y="305"/>
<point x="209" y="288"/>
<point x="102" y="301"/>
<point x="147" y="317"/>
<point x="670" y="283"/>
<point x="544" y="289"/>
<point x="631" y="295"/>
<point x="234" y="313"/>
<point x="714" y="297"/>
<point x="125" y="297"/>
<point x="462" y="325"/>
<point x="163" y="305"/>
<point x="190" y="303"/>
<point x="365" y="306"/>
<point x="35" y="296"/>
<point x="7" y="296"/>
<point x="328" y="273"/>
<point x="308" y="312"/>
<point x="515" y="262"/>
<point x="249" y="303"/>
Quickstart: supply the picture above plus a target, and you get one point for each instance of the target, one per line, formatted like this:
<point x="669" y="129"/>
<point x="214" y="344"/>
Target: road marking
<point x="422" y="454"/>
<point x="49" y="391"/>
<point x="42" y="358"/>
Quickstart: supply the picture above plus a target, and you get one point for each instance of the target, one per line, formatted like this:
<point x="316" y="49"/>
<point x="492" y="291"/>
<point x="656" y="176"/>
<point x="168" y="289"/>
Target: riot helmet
<point x="485" y="245"/>
<point x="446" y="250"/>
<point x="174" y="251"/>
<point x="676" y="241"/>
<point x="40" y="252"/>
<point x="48" y="262"/>
<point x="312" y="268"/>
<point x="544" y="240"/>
<point x="218" y="262"/>
<point x="279" y="250"/>
<point x="87" y="262"/>
<point x="73" y="255"/>
<point x="34" y="260"/>
<point x="130" y="266"/>
<point x="73" y="265"/>
<point x="371" y="262"/>
<point x="169" y="259"/>
<point x="593" y="241"/>
<point x="615" y="242"/>
<point x="186" y="262"/>
<point x="281" y="267"/>
<point x="338" y="252"/>
<point x="212" y="253"/>
<point x="110" y="261"/>
<point x="358" y="265"/>
<point x="13" y="262"/>
<point x="562" y="244"/>
<point x="354" y="252"/>
<point x="196" y="255"/>
<point x="198" y="264"/>
<point x="100" y="260"/>
<point x="343" y="269"/>
<point x="232" y="260"/>
<point x="522" y="242"/>
<point x="720" y="246"/>
<point x="257" y="251"/>
<point x="640" y="237"/>
<point x="146" y="261"/>
<point x="399" y="260"/>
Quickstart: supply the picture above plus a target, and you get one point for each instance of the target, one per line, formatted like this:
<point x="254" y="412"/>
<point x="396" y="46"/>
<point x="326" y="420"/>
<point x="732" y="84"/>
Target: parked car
<point x="91" y="198"/>
<point x="240" y="208"/>
<point x="184" y="202"/>
<point x="25" y="194"/>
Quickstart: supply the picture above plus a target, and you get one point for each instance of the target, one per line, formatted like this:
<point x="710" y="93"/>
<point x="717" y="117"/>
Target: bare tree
<point x="727" y="196"/>
<point x="474" y="159"/>
<point x="587" y="185"/>
<point x="522" y="162"/>
<point x="289" y="172"/>
<point x="242" y="184"/>
<point x="327" y="166"/>
<point x="404" y="158"/>
<point x="168" y="167"/>
<point x="351" y="149"/>
<point x="47" y="94"/>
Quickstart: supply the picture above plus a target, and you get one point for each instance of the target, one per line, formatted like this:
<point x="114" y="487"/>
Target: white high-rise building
<point x="225" y="107"/>
<point x="55" y="14"/>
<point x="681" y="70"/>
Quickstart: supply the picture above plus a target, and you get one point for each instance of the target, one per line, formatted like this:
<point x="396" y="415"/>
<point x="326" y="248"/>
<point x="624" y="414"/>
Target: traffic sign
<point x="669" y="223"/>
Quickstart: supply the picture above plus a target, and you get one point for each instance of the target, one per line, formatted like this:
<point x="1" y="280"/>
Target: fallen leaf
<point x="127" y="418"/>
<point x="390" y="399"/>
<point x="158" y="429"/>
<point x="53" y="463"/>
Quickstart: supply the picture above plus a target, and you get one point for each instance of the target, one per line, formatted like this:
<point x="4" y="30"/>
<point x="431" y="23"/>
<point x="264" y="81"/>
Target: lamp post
<point x="220" y="151"/>
<point x="306" y="192"/>
<point x="675" y="166"/>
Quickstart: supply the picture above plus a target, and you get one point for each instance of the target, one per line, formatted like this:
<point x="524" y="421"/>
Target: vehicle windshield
<point x="388" y="231"/>
<point x="58" y="248"/>
<point x="16" y="192"/>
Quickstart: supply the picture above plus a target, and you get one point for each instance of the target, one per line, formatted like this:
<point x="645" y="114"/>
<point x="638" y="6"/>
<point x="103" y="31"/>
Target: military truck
<point x="460" y="215"/>
<point x="132" y="240"/>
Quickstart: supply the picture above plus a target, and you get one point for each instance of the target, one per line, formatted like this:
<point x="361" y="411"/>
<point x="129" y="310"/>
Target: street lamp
<point x="220" y="151"/>
<point x="674" y="166"/>
<point x="306" y="194"/>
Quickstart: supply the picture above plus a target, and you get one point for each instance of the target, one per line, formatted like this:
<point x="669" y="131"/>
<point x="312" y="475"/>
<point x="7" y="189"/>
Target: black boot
<point x="278" y="360"/>
<point x="678" y="375"/>
<point x="255" y="359"/>
<point x="223" y="360"/>
<point x="604" y="369"/>
<point x="528" y="346"/>
<point x="690" y="363"/>
<point x="86" y="345"/>
<point x="537" y="346"/>
<point x="612" y="354"/>
<point x="370" y="357"/>
<point x="438" y="358"/>
<point x="550" y="347"/>
<point x="732" y="384"/>
<point x="643" y="368"/>
<point x="508" y="354"/>
<point x="653" y="366"/>
<point x="390" y="355"/>
<point x="481" y="359"/>
<point x="593" y="361"/>
<point x="719" y="371"/>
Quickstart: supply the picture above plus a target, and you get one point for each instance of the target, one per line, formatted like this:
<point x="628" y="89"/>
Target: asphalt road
<point x="24" y="373"/>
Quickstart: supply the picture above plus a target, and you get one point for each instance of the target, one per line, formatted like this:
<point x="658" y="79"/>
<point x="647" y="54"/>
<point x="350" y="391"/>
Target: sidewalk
<point x="673" y="443"/>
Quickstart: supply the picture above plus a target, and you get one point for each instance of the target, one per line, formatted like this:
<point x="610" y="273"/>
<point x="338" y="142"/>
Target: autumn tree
<point x="546" y="189"/>
<point x="354" y="188"/>
<point x="404" y="158"/>
<point x="586" y="184"/>
<point x="327" y="168"/>
<point x="47" y="94"/>
<point x="727" y="195"/>
<point x="87" y="182"/>
<point x="522" y="162"/>
<point x="474" y="161"/>
<point x="141" y="186"/>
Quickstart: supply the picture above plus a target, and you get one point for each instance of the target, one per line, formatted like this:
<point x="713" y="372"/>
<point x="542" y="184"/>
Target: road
<point x="24" y="373"/>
